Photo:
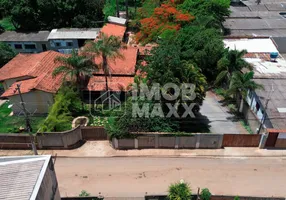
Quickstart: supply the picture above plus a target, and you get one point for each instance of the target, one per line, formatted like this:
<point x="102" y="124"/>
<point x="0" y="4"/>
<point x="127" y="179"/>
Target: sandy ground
<point x="134" y="177"/>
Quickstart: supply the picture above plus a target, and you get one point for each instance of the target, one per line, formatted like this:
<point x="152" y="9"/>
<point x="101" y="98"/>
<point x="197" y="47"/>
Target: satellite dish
<point x="10" y="106"/>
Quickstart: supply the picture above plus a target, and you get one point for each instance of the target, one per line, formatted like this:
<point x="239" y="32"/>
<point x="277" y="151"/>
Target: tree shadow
<point x="199" y="124"/>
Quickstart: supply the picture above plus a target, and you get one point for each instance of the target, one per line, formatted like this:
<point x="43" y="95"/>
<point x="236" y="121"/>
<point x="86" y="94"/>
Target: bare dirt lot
<point x="134" y="177"/>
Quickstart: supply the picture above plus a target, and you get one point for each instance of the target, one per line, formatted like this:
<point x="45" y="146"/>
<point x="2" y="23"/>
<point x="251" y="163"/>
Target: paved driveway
<point x="217" y="117"/>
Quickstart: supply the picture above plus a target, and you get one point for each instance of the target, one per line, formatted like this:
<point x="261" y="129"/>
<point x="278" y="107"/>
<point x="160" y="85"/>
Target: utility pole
<point x="28" y="125"/>
<point x="265" y="108"/>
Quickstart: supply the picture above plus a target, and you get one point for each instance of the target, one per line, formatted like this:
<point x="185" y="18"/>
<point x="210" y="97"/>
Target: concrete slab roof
<point x="21" y="176"/>
<point x="13" y="36"/>
<point x="74" y="33"/>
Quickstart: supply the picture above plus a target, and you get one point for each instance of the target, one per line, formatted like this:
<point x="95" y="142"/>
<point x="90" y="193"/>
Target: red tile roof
<point x="115" y="84"/>
<point x="122" y="66"/>
<point x="113" y="29"/>
<point x="37" y="68"/>
<point x="263" y="56"/>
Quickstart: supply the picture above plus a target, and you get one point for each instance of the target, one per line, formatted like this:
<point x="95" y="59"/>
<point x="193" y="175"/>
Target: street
<point x="134" y="177"/>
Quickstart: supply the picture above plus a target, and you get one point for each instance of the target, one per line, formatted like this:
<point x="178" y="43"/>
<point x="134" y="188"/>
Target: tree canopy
<point x="6" y="53"/>
<point x="31" y="15"/>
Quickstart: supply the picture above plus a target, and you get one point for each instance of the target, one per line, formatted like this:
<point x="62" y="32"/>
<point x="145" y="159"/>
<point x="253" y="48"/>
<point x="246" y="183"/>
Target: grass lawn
<point x="9" y="123"/>
<point x="7" y="24"/>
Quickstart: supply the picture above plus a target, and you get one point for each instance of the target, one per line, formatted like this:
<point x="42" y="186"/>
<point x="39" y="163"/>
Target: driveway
<point x="135" y="177"/>
<point x="216" y="117"/>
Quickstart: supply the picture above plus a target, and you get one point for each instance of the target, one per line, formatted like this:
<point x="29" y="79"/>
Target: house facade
<point x="33" y="74"/>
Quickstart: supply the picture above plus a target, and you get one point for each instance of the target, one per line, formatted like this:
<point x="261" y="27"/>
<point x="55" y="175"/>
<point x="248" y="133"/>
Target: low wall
<point x="66" y="140"/>
<point x="15" y="141"/>
<point x="216" y="197"/>
<point x="241" y="140"/>
<point x="165" y="141"/>
<point x="94" y="133"/>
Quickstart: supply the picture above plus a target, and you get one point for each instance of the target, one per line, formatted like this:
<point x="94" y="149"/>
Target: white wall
<point x="23" y="50"/>
<point x="36" y="102"/>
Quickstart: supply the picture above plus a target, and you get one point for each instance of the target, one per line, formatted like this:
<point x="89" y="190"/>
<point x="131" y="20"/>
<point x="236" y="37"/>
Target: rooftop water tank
<point x="273" y="56"/>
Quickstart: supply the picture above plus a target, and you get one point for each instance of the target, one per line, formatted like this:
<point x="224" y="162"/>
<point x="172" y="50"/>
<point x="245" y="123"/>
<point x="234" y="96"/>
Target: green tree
<point x="231" y="62"/>
<point x="202" y="46"/>
<point x="76" y="67"/>
<point x="6" y="53"/>
<point x="205" y="194"/>
<point x="108" y="47"/>
<point x="179" y="191"/>
<point x="240" y="84"/>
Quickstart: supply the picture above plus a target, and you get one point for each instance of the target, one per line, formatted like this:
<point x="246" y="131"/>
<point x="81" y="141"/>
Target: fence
<point x="53" y="140"/>
<point x="161" y="141"/>
<point x="241" y="140"/>
<point x="94" y="133"/>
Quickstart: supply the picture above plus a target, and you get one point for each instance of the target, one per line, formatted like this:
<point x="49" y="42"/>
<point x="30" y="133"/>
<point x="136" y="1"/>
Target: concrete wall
<point x="38" y="45"/>
<point x="281" y="141"/>
<point x="66" y="139"/>
<point x="49" y="187"/>
<point x="36" y="102"/>
<point x="198" y="141"/>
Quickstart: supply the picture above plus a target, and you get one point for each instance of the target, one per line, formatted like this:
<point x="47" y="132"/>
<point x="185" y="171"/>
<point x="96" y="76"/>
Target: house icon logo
<point x="108" y="101"/>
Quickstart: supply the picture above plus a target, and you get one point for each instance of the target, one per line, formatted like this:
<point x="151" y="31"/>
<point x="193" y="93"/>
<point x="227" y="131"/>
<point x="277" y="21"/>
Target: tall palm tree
<point x="108" y="47"/>
<point x="240" y="84"/>
<point x="231" y="62"/>
<point x="75" y="67"/>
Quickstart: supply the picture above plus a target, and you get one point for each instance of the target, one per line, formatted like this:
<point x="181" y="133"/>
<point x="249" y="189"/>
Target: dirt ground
<point x="135" y="177"/>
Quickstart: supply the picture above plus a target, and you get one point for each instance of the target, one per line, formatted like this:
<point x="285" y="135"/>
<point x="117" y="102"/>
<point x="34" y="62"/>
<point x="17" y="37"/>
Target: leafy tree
<point x="108" y="47"/>
<point x="240" y="84"/>
<point x="236" y="198"/>
<point x="6" y="53"/>
<point x="75" y="67"/>
<point x="110" y="8"/>
<point x="179" y="191"/>
<point x="165" y="17"/>
<point x="205" y="194"/>
<point x="123" y="122"/>
<point x="67" y="102"/>
<point x="217" y="9"/>
<point x="231" y="62"/>
<point x="202" y="46"/>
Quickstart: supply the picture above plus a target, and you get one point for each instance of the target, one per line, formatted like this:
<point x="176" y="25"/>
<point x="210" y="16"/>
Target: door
<point x="271" y="140"/>
<point x="44" y="47"/>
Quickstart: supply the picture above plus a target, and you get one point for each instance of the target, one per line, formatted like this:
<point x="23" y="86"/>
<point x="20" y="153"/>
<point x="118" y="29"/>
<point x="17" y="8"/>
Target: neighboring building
<point x="33" y="42"/>
<point x="248" y="19"/>
<point x="270" y="74"/>
<point x="28" y="178"/>
<point x="34" y="74"/>
<point x="64" y="40"/>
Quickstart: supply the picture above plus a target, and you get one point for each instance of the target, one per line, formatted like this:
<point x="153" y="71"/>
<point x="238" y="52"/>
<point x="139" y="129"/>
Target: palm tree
<point x="179" y="191"/>
<point x="231" y="62"/>
<point x="108" y="47"/>
<point x="76" y="67"/>
<point x="240" y="84"/>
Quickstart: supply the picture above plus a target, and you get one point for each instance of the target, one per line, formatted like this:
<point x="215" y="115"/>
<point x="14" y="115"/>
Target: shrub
<point x="84" y="194"/>
<point x="236" y="198"/>
<point x="66" y="103"/>
<point x="205" y="194"/>
<point x="179" y="191"/>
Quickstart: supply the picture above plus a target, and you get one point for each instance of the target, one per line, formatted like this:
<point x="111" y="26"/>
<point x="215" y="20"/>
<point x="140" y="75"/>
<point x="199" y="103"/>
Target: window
<point x="69" y="44"/>
<point x="58" y="44"/>
<point x="30" y="46"/>
<point x="18" y="46"/>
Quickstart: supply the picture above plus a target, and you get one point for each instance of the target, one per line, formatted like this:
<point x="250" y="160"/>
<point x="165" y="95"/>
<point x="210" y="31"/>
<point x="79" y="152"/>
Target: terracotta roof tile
<point x="122" y="66"/>
<point x="115" y="84"/>
<point x="113" y="29"/>
<point x="38" y="67"/>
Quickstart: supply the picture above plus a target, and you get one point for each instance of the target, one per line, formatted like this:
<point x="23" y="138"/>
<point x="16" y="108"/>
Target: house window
<point x="18" y="46"/>
<point x="69" y="44"/>
<point x="58" y="44"/>
<point x="30" y="46"/>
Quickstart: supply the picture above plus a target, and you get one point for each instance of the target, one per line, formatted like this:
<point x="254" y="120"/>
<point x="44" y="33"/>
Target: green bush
<point x="179" y="191"/>
<point x="84" y="193"/>
<point x="123" y="122"/>
<point x="205" y="194"/>
<point x="66" y="103"/>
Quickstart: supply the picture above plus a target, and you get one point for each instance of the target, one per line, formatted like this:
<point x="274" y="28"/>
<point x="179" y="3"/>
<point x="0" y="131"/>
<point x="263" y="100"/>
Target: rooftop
<point x="35" y="69"/>
<point x="74" y="33"/>
<point x="21" y="176"/>
<point x="113" y="29"/>
<point x="117" y="20"/>
<point x="115" y="83"/>
<point x="13" y="36"/>
<point x="122" y="66"/>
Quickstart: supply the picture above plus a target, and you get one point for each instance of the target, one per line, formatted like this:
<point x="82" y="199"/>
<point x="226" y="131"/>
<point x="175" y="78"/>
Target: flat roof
<point x="253" y="45"/>
<point x="21" y="176"/>
<point x="116" y="20"/>
<point x="13" y="36"/>
<point x="74" y="33"/>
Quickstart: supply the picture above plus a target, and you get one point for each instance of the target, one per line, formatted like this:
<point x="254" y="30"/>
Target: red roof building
<point x="113" y="29"/>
